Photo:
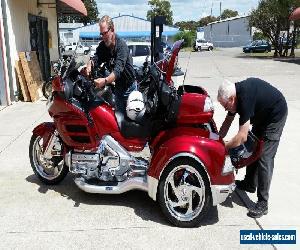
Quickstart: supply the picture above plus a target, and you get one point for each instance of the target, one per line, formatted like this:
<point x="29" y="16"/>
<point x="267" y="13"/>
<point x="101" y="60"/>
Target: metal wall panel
<point x="231" y="33"/>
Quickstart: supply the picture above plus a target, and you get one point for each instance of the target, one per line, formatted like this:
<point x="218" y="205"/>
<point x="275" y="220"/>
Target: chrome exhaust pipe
<point x="135" y="183"/>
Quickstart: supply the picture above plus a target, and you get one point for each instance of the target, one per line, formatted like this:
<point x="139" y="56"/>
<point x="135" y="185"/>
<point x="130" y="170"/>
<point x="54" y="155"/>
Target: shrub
<point x="188" y="36"/>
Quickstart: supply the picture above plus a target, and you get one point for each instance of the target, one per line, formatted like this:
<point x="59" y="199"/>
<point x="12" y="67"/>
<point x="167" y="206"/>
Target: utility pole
<point x="220" y="9"/>
<point x="212" y="3"/>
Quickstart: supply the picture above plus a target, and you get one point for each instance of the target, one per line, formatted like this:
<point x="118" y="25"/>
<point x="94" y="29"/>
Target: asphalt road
<point x="36" y="216"/>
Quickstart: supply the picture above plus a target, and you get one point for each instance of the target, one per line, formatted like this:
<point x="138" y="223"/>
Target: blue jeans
<point x="121" y="97"/>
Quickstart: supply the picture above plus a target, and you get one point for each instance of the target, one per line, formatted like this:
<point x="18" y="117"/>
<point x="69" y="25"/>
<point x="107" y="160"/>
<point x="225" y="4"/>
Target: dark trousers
<point x="259" y="174"/>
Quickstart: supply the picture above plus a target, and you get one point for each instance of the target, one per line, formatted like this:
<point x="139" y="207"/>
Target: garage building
<point x="29" y="25"/>
<point x="231" y="32"/>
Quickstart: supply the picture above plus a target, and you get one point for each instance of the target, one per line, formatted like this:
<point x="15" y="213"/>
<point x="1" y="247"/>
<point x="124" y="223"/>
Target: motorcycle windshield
<point x="172" y="61"/>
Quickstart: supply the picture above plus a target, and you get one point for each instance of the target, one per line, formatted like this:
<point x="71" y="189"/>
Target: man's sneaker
<point x="260" y="209"/>
<point x="242" y="185"/>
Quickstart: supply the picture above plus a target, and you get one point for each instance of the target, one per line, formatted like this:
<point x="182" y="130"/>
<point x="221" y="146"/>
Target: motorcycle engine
<point x="110" y="162"/>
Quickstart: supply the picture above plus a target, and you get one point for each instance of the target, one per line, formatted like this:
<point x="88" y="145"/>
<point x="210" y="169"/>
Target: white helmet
<point x="135" y="104"/>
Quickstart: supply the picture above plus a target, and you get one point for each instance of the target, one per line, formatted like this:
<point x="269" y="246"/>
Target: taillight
<point x="208" y="105"/>
<point x="228" y="167"/>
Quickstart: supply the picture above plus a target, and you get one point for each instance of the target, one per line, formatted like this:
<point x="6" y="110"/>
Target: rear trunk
<point x="196" y="106"/>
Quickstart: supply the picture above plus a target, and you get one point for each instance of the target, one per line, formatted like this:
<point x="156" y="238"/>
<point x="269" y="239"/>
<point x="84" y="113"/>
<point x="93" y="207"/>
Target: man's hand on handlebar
<point x="89" y="67"/>
<point x="100" y="82"/>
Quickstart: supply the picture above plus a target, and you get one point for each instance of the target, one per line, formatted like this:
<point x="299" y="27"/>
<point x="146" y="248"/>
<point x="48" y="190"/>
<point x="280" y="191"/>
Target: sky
<point x="182" y="10"/>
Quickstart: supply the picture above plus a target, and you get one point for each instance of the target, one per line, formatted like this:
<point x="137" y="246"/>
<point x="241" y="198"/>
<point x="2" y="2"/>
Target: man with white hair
<point x="113" y="51"/>
<point x="262" y="105"/>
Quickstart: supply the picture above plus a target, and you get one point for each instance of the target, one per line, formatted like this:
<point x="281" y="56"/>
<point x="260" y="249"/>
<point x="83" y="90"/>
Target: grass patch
<point x="267" y="55"/>
<point x="191" y="49"/>
<point x="187" y="49"/>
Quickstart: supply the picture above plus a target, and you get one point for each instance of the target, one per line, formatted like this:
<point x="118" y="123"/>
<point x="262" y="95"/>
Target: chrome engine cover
<point x="85" y="163"/>
<point x="110" y="162"/>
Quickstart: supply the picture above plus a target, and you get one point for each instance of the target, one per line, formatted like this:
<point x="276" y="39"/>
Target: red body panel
<point x="210" y="152"/>
<point x="105" y="121"/>
<point x="191" y="109"/>
<point x="77" y="132"/>
<point x="57" y="84"/>
<point x="135" y="144"/>
<point x="73" y="126"/>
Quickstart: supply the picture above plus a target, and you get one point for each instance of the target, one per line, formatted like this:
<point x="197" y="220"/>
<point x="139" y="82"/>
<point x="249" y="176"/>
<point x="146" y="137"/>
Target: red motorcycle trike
<point x="187" y="172"/>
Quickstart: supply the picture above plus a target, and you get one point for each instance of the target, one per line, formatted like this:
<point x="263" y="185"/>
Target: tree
<point x="160" y="8"/>
<point x="259" y="36"/>
<point x="227" y="13"/>
<point x="187" y="25"/>
<point x="295" y="34"/>
<point x="272" y="18"/>
<point x="192" y="25"/>
<point x="206" y="20"/>
<point x="92" y="14"/>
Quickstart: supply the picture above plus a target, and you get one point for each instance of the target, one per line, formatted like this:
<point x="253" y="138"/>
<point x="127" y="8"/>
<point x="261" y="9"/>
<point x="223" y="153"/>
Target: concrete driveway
<point x="36" y="216"/>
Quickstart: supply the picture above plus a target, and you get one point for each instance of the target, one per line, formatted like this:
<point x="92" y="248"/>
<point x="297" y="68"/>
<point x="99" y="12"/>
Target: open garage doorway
<point x="39" y="40"/>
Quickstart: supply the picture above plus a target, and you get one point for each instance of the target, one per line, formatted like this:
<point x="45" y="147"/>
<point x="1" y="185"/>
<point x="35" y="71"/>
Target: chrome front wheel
<point x="48" y="170"/>
<point x="184" y="193"/>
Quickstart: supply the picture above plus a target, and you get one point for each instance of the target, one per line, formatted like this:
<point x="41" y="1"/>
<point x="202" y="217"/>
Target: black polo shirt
<point x="119" y="61"/>
<point x="259" y="102"/>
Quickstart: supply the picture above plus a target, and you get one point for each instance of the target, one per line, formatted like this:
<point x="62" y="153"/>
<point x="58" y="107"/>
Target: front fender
<point x="210" y="152"/>
<point x="45" y="130"/>
<point x="45" y="127"/>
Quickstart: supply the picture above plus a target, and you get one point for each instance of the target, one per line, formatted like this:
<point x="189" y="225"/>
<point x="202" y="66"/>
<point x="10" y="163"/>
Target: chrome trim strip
<point x="221" y="192"/>
<point x="152" y="187"/>
<point x="122" y="187"/>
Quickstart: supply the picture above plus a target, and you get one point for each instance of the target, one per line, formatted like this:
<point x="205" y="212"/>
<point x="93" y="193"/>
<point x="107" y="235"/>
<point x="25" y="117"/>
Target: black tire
<point x="186" y="171"/>
<point x="40" y="168"/>
<point x="199" y="48"/>
<point x="210" y="48"/>
<point x="85" y="52"/>
<point x="47" y="88"/>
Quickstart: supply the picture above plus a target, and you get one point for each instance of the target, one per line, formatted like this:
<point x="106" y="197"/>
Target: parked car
<point x="201" y="44"/>
<point x="139" y="51"/>
<point x="257" y="46"/>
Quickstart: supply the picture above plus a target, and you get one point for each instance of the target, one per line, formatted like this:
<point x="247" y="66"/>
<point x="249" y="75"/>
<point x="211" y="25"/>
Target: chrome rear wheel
<point x="184" y="193"/>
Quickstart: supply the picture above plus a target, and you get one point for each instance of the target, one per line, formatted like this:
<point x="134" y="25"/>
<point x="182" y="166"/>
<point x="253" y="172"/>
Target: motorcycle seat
<point x="133" y="129"/>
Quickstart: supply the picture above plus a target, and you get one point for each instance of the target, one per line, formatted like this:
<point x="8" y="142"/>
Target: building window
<point x="68" y="35"/>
